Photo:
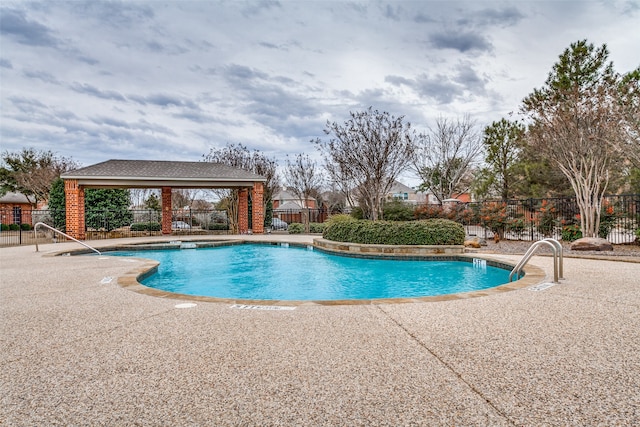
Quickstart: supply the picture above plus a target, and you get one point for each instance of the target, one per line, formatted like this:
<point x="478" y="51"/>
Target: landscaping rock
<point x="591" y="244"/>
<point x="474" y="242"/>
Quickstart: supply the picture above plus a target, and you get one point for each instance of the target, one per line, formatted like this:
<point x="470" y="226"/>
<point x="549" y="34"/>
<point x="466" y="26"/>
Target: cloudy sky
<point x="169" y="80"/>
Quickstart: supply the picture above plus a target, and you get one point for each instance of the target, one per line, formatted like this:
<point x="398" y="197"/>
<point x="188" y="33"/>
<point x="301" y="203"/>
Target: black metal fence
<point x="533" y="219"/>
<point x="530" y="219"/>
<point x="17" y="229"/>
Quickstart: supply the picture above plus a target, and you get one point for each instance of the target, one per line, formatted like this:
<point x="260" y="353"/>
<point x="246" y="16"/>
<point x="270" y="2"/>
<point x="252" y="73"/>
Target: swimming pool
<point x="282" y="272"/>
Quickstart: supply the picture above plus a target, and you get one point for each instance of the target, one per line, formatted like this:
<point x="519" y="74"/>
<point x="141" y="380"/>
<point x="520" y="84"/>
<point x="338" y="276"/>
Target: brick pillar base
<point x="166" y="210"/>
<point x="74" y="200"/>
<point x="257" y="206"/>
<point x="243" y="210"/>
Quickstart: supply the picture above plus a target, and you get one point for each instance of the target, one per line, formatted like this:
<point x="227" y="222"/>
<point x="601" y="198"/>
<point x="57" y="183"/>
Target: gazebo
<point x="164" y="175"/>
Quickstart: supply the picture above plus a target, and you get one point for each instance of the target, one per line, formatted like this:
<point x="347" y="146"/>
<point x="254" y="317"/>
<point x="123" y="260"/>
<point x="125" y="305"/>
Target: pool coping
<point x="131" y="279"/>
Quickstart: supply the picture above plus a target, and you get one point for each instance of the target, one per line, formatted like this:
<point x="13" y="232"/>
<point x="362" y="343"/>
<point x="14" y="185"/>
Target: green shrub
<point x="397" y="211"/>
<point x="425" y="232"/>
<point x="316" y="227"/>
<point x="638" y="236"/>
<point x="357" y="213"/>
<point x="4" y="227"/>
<point x="25" y="226"/>
<point x="296" y="228"/>
<point x="571" y="232"/>
<point x="146" y="226"/>
<point x="338" y="218"/>
<point x="14" y="227"/>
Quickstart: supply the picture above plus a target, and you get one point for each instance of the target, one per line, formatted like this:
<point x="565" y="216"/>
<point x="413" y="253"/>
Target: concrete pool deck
<point x="78" y="349"/>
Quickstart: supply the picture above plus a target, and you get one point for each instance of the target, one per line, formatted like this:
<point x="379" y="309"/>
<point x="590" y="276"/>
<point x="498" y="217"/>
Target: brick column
<point x="243" y="210"/>
<point x="74" y="207"/>
<point x="166" y="210"/>
<point x="257" y="206"/>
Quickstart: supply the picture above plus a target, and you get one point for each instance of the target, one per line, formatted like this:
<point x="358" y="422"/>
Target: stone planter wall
<point x="408" y="250"/>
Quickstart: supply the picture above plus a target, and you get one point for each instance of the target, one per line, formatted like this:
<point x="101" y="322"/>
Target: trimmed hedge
<point x="316" y="227"/>
<point x="425" y="232"/>
<point x="146" y="226"/>
<point x="296" y="228"/>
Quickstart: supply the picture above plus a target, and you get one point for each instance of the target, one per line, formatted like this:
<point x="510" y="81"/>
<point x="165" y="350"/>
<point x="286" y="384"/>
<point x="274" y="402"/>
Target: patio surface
<point x="77" y="351"/>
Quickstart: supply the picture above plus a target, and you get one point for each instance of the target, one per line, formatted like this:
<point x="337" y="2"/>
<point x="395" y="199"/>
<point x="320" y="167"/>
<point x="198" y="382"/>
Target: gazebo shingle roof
<point x="158" y="172"/>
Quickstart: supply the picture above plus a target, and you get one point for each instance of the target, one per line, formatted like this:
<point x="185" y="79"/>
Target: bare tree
<point x="184" y="197"/>
<point x="140" y="195"/>
<point x="32" y="172"/>
<point x="332" y="198"/>
<point x="446" y="156"/>
<point x="256" y="162"/>
<point x="366" y="155"/>
<point x="304" y="179"/>
<point x="577" y="122"/>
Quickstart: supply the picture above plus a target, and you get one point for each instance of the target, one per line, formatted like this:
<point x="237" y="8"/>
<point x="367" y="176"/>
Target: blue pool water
<point x="270" y="272"/>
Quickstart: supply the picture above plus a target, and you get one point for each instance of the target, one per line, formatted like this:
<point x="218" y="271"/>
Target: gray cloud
<point x="14" y="24"/>
<point x="438" y="87"/>
<point x="444" y="88"/>
<point x="170" y="49"/>
<point x="164" y="100"/>
<point x="140" y="125"/>
<point x="32" y="110"/>
<point x="421" y="18"/>
<point x="484" y="18"/>
<point x="242" y="72"/>
<point x="90" y="90"/>
<point x="41" y="75"/>
<point x="5" y="63"/>
<point x="469" y="79"/>
<point x="460" y="41"/>
<point x="26" y="105"/>
<point x="256" y="8"/>
<point x="115" y="14"/>
<point x="392" y="12"/>
<point x="500" y="17"/>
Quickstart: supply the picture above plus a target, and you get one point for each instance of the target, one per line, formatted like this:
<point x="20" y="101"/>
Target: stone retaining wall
<point x="409" y="250"/>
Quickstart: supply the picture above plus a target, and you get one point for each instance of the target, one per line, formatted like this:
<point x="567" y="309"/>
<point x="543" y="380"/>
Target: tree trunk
<point x="232" y="212"/>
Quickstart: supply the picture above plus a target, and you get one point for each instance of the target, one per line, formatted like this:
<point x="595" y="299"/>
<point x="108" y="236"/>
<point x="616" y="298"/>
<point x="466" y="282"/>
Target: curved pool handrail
<point x="558" y="246"/>
<point x="527" y="256"/>
<point x="55" y="230"/>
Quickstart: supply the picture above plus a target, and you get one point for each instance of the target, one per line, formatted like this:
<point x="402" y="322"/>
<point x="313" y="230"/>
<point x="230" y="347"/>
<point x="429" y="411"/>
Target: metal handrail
<point x="55" y="230"/>
<point x="557" y="259"/>
<point x="558" y="246"/>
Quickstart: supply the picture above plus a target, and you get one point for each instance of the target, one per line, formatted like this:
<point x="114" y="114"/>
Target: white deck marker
<point x="186" y="305"/>
<point x="541" y="286"/>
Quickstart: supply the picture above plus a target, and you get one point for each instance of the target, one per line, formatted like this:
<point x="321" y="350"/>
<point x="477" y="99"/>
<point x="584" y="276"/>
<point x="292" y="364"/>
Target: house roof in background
<point x="290" y="205"/>
<point x="160" y="173"/>
<point x="399" y="187"/>
<point x="11" y="197"/>
<point x="285" y="195"/>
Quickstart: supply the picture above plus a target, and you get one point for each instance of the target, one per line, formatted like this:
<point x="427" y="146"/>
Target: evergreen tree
<point x="578" y="122"/>
<point x="57" y="205"/>
<point x="107" y="209"/>
<point x="502" y="142"/>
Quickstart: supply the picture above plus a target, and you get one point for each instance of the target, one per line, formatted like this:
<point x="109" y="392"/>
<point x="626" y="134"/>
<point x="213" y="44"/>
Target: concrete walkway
<point x="77" y="351"/>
